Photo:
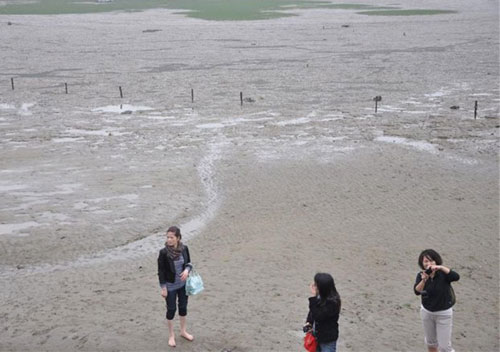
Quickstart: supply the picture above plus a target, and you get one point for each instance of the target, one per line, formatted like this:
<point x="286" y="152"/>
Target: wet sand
<point x="363" y="218"/>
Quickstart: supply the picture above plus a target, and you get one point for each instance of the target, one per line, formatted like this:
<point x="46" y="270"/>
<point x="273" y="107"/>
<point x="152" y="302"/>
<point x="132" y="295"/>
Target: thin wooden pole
<point x="241" y="98"/>
<point x="475" y="109"/>
<point x="121" y="92"/>
<point x="12" y="83"/>
<point x="192" y="95"/>
<point x="377" y="99"/>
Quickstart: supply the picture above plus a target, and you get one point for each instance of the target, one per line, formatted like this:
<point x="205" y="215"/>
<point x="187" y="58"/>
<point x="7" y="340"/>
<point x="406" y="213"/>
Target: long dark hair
<point x="326" y="289"/>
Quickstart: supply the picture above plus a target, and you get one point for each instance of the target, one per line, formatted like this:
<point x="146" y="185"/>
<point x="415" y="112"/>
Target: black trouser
<point x="181" y="296"/>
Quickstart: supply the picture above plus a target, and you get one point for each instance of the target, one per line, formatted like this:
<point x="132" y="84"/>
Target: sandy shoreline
<point x="306" y="178"/>
<point x="363" y="218"/>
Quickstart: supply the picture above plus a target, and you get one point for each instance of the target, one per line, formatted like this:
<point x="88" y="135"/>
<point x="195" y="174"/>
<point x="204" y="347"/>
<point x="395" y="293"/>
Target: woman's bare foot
<point x="187" y="336"/>
<point x="171" y="341"/>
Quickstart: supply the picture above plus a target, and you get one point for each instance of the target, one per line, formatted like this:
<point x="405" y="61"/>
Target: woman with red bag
<point x="323" y="317"/>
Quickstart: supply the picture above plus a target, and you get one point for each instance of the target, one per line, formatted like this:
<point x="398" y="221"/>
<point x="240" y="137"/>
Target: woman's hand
<point x="434" y="268"/>
<point x="164" y="292"/>
<point x="420" y="286"/>
<point x="184" y="275"/>
<point x="440" y="267"/>
<point x="424" y="276"/>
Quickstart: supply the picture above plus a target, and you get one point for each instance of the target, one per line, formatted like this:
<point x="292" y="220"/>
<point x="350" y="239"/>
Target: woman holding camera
<point x="433" y="284"/>
<point x="324" y="310"/>
<point x="174" y="265"/>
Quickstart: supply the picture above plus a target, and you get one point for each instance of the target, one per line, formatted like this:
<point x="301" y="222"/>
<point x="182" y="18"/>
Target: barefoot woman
<point x="174" y="265"/>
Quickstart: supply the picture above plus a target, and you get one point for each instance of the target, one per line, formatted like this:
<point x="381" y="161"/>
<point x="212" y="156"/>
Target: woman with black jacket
<point x="433" y="284"/>
<point x="324" y="310"/>
<point x="174" y="265"/>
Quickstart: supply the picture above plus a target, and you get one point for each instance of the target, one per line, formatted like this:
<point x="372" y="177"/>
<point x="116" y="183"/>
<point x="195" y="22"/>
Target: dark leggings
<point x="180" y="294"/>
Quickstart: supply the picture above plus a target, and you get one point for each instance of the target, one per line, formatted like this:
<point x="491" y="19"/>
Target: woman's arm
<point x="161" y="275"/>
<point x="441" y="268"/>
<point x="187" y="266"/>
<point x="309" y="318"/>
<point x="450" y="274"/>
<point x="420" y="283"/>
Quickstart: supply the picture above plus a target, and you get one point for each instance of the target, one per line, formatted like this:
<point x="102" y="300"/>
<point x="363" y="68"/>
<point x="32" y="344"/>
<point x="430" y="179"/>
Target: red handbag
<point x="310" y="343"/>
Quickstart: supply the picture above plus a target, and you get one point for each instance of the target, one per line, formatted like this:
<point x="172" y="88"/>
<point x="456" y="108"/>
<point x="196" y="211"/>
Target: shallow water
<point x="219" y="10"/>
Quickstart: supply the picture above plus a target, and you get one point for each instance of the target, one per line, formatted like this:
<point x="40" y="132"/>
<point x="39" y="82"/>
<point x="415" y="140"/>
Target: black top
<point x="438" y="293"/>
<point x="325" y="318"/>
<point x="166" y="266"/>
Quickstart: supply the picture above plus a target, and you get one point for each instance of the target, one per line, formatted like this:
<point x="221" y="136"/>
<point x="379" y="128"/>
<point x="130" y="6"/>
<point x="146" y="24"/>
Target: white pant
<point x="437" y="328"/>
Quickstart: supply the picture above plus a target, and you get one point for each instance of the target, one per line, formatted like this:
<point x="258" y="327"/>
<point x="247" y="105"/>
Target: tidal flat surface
<point x="307" y="84"/>
<point x="91" y="177"/>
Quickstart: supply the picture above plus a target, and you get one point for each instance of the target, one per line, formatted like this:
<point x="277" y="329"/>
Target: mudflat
<point x="301" y="176"/>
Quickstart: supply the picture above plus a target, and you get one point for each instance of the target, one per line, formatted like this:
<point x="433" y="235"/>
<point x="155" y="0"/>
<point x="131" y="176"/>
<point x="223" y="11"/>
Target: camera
<point x="428" y="271"/>
<point x="306" y="328"/>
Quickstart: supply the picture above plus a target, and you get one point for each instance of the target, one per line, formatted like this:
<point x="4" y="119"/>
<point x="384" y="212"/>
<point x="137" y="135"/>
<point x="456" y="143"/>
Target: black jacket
<point x="166" y="267"/>
<point x="438" y="293"/>
<point x="325" y="318"/>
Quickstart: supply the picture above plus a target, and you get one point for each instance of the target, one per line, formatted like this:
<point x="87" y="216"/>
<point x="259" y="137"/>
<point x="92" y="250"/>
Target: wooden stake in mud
<point x="12" y="83"/>
<point x="192" y="95"/>
<point x="241" y="98"/>
<point x="66" y="87"/>
<point x="475" y="109"/>
<point x="377" y="99"/>
<point x="121" y="92"/>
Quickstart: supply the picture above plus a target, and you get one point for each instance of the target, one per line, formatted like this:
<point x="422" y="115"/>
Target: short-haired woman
<point x="174" y="265"/>
<point x="433" y="284"/>
<point x="324" y="310"/>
